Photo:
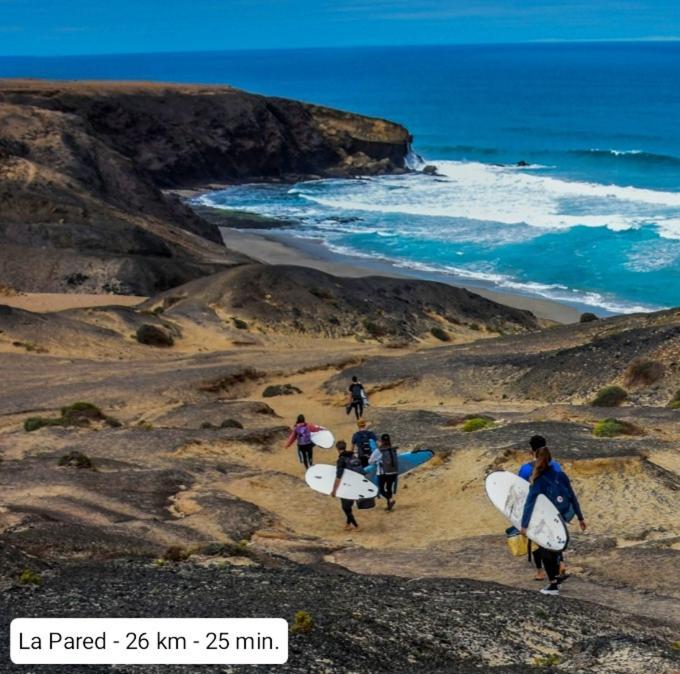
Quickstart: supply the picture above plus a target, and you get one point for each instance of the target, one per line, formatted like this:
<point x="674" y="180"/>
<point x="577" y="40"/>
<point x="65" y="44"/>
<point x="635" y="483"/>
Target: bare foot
<point x="347" y="527"/>
<point x="540" y="575"/>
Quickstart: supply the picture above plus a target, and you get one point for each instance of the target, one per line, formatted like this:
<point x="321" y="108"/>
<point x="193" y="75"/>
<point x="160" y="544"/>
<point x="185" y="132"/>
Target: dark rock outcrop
<point x="82" y="166"/>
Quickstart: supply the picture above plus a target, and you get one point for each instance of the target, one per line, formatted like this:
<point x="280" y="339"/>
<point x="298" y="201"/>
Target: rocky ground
<point x="186" y="461"/>
<point x="360" y="623"/>
<point x="83" y="165"/>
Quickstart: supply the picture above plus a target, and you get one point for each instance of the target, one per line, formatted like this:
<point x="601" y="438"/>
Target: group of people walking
<point x="544" y="474"/>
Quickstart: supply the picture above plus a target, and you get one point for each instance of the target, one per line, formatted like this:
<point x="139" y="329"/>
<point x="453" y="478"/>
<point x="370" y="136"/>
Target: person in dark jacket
<point x="347" y="460"/>
<point x="387" y="463"/>
<point x="525" y="471"/>
<point x="356" y="398"/>
<point x="557" y="487"/>
<point x="364" y="441"/>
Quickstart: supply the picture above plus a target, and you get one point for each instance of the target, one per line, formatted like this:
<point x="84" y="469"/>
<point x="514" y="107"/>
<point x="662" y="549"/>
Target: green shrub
<point x="29" y="577"/>
<point x="35" y="423"/>
<point x="80" y="414"/>
<point x="609" y="396"/>
<point x="31" y="347"/>
<point x="208" y="425"/>
<point x="610" y="428"/>
<point x="474" y="326"/>
<point x="675" y="402"/>
<point x="477" y="424"/>
<point x="440" y="334"/>
<point x="239" y="324"/>
<point x="550" y="660"/>
<point x="676" y="645"/>
<point x="644" y="372"/>
<point x="588" y="317"/>
<point x="303" y="623"/>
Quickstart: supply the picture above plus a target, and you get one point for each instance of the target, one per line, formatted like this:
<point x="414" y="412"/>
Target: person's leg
<point x="311" y="455"/>
<point x="360" y="409"/>
<point x="389" y="490"/>
<point x="381" y="485"/>
<point x="347" y="509"/>
<point x="537" y="555"/>
<point x="552" y="566"/>
<point x="307" y="455"/>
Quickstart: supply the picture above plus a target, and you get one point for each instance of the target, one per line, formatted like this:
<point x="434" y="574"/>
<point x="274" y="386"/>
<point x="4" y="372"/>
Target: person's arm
<point x="291" y="439"/>
<point x="574" y="502"/>
<point x="375" y="456"/>
<point x="534" y="491"/>
<point x="313" y="428"/>
<point x="339" y="470"/>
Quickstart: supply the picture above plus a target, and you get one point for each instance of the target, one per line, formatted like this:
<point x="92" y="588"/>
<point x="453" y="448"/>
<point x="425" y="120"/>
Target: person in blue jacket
<point x="525" y="471"/>
<point x="557" y="488"/>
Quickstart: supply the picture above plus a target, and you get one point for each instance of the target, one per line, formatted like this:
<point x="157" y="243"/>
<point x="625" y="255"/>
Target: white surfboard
<point x="323" y="438"/>
<point x="352" y="485"/>
<point x="508" y="492"/>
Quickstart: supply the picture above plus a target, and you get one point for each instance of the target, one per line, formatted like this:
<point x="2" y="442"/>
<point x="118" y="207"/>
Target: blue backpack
<point x="560" y="496"/>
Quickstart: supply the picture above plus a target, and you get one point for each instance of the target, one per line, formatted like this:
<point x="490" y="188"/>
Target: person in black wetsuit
<point x="356" y="398"/>
<point x="347" y="460"/>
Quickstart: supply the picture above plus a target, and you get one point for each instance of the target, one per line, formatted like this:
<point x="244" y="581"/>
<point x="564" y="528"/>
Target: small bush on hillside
<point x="609" y="396"/>
<point x="80" y="414"/>
<point x="29" y="577"/>
<point x="550" y="660"/>
<point x="31" y="347"/>
<point x="34" y="423"/>
<point x="610" y="428"/>
<point x="644" y="372"/>
<point x="303" y="623"/>
<point x="440" y="334"/>
<point x="239" y="324"/>
<point x="588" y="317"/>
<point x="675" y="402"/>
<point x="474" y="326"/>
<point x="477" y="424"/>
<point x="280" y="390"/>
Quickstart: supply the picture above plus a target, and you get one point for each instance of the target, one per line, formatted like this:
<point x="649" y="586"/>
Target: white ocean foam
<point x="505" y="195"/>
<point x="556" y="292"/>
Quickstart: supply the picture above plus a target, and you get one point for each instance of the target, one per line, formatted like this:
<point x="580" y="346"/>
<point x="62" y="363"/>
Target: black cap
<point x="536" y="442"/>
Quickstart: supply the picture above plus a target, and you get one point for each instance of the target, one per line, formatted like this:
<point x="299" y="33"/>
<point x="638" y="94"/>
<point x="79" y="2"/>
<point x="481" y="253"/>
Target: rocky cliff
<point x="82" y="166"/>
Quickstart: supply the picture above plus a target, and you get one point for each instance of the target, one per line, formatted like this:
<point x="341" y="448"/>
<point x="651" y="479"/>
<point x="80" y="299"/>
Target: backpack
<point x="389" y="461"/>
<point x="304" y="435"/>
<point x="364" y="443"/>
<point x="560" y="496"/>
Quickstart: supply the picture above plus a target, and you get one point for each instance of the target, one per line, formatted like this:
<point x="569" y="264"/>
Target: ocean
<point x="559" y="164"/>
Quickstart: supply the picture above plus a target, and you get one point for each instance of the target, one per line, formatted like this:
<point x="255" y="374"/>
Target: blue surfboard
<point x="407" y="462"/>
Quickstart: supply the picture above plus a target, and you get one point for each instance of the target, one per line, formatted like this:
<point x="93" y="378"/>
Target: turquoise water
<point x="594" y="217"/>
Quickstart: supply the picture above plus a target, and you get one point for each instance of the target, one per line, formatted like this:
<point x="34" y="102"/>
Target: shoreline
<point x="279" y="247"/>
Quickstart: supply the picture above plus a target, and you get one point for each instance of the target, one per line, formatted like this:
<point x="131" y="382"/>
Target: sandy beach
<point x="280" y="248"/>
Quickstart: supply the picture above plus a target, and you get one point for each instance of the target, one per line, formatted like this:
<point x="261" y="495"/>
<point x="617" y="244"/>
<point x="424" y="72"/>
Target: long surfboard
<point x="321" y="478"/>
<point x="508" y="492"/>
<point x="407" y="462"/>
<point x="323" y="438"/>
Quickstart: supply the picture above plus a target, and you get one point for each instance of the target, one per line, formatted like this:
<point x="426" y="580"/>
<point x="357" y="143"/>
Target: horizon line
<point x="542" y="41"/>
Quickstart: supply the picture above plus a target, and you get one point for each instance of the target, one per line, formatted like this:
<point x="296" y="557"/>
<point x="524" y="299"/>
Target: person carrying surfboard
<point x="557" y="488"/>
<point x="525" y="471"/>
<point x="302" y="432"/>
<point x="356" y="398"/>
<point x="364" y="441"/>
<point x="347" y="460"/>
<point x="387" y="463"/>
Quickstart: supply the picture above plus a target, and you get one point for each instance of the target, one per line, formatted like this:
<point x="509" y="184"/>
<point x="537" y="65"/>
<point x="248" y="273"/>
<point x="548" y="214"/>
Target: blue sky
<point x="47" y="27"/>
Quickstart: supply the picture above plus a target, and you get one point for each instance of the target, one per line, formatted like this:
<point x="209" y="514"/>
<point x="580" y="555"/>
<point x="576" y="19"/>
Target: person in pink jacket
<point x="302" y="432"/>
